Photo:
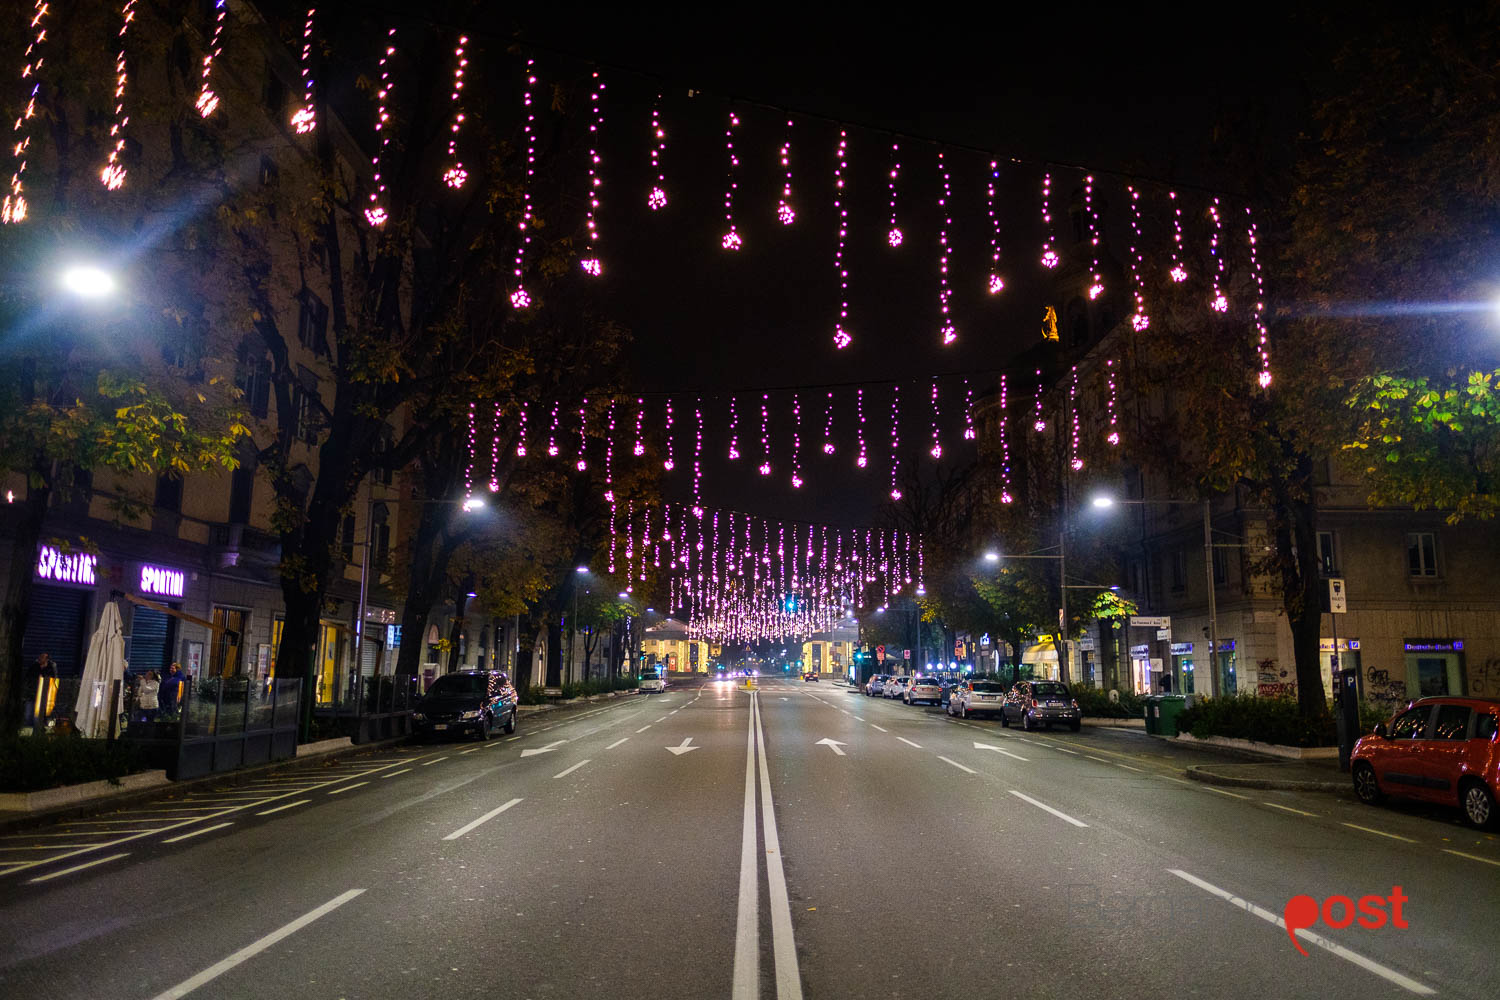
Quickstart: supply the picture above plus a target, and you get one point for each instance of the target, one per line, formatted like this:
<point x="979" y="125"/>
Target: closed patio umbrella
<point x="105" y="664"/>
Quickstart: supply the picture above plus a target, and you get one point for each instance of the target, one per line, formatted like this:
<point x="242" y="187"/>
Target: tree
<point x="97" y="398"/>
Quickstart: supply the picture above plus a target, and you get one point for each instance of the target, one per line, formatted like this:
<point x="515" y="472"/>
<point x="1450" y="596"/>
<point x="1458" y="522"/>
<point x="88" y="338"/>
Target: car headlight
<point x="418" y="717"/>
<point x="474" y="714"/>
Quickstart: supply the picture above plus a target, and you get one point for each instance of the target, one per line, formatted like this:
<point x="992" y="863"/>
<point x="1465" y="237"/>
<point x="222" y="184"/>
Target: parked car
<point x="976" y="698"/>
<point x="896" y="686"/>
<point x="469" y="701"/>
<point x="923" y="689"/>
<point x="876" y="684"/>
<point x="1041" y="703"/>
<point x="1442" y="750"/>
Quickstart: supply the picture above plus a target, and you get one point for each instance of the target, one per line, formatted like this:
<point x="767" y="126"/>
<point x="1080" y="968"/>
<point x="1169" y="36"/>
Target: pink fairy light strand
<point x="1178" y="272"/>
<point x="1049" y="254"/>
<point x="591" y="263"/>
<point x="785" y="213"/>
<point x="1263" y="334"/>
<point x="519" y="297"/>
<point x="14" y="207"/>
<point x="1096" y="289"/>
<point x="842" y="338"/>
<point x="995" y="284"/>
<point x="305" y="118"/>
<point x="1220" y="302"/>
<point x="207" y="100"/>
<point x="1139" y="320"/>
<point x="113" y="174"/>
<point x="656" y="198"/>
<point x="375" y="213"/>
<point x="731" y="239"/>
<point x="894" y="235"/>
<point x="948" y="331"/>
<point x="455" y="175"/>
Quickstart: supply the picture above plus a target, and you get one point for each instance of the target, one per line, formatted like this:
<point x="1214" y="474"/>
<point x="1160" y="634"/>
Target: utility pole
<point x="1213" y="614"/>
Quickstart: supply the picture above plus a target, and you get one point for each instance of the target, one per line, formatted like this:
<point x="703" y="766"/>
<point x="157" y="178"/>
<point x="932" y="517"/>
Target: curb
<point x="1197" y="773"/>
<point x="549" y="706"/>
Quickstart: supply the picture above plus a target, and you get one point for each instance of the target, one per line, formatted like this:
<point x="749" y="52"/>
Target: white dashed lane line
<point x="197" y="832"/>
<point x="348" y="788"/>
<point x="289" y="805"/>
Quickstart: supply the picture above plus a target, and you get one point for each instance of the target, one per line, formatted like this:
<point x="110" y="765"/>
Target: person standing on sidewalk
<point x="147" y="695"/>
<point x="170" y="689"/>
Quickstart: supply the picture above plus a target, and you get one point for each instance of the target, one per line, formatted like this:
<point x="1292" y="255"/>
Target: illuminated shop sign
<point x="162" y="582"/>
<point x="1182" y="649"/>
<point x="1433" y="645"/>
<point x="72" y="567"/>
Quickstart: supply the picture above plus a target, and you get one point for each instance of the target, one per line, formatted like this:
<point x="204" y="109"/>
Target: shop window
<point x="231" y="640"/>
<point x="1327" y="559"/>
<point x="1421" y="554"/>
<point x="1452" y="722"/>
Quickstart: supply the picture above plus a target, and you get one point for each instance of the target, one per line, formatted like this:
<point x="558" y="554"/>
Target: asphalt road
<point x="712" y="843"/>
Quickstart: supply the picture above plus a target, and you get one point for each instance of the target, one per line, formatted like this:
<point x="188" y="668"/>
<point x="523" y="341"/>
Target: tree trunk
<point x="554" y="654"/>
<point x="1296" y="531"/>
<point x="16" y="608"/>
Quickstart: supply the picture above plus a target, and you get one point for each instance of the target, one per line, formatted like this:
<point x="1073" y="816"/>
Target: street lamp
<point x="992" y="556"/>
<point x="1104" y="502"/>
<point x="87" y="281"/>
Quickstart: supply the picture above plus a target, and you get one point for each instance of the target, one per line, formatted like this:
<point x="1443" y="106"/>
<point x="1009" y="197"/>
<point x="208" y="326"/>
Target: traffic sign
<point x="1150" y="621"/>
<point x="906" y="654"/>
<point x="1338" y="598"/>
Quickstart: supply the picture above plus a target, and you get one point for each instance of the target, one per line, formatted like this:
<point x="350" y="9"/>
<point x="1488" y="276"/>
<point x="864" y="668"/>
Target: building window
<point x="1179" y="569"/>
<point x="254" y="382"/>
<point x="1328" y="563"/>
<point x="382" y="533"/>
<point x="274" y="94"/>
<point x="312" y="324"/>
<point x="169" y="494"/>
<point x="346" y="543"/>
<point x="1421" y="554"/>
<point x="306" y="428"/>
<point x="231" y="640"/>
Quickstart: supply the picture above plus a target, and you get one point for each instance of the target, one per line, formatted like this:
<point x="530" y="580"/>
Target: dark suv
<point x="469" y="701"/>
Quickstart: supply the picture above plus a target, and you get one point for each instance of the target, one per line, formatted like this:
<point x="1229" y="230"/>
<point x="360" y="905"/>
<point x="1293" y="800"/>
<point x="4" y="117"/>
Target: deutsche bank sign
<point x="162" y="582"/>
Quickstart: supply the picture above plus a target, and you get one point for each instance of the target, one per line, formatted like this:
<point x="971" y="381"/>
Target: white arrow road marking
<point x="832" y="745"/>
<point x="987" y="746"/>
<point x="546" y="749"/>
<point x="683" y="748"/>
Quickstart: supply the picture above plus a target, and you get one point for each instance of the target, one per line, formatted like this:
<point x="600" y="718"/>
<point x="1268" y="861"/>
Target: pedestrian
<point x="37" y="685"/>
<point x="147" y="696"/>
<point x="171" y="689"/>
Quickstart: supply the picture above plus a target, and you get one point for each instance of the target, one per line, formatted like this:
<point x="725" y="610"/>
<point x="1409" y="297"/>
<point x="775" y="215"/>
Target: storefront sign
<point x="73" y="567"/>
<point x="1086" y="644"/>
<point x="1182" y="649"/>
<point x="1140" y="652"/>
<point x="393" y="635"/>
<point x="1433" y="645"/>
<point x="1326" y="645"/>
<point x="1227" y="645"/>
<point x="162" y="582"/>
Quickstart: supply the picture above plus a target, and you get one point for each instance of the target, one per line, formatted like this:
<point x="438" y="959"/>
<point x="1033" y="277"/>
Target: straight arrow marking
<point x="986" y="746"/>
<point x="546" y="749"/>
<point x="832" y="745"/>
<point x="682" y="748"/>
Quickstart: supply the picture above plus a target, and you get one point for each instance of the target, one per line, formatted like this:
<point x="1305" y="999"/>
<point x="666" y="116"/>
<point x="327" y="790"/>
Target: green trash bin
<point x="1153" y="714"/>
<point x="1169" y="707"/>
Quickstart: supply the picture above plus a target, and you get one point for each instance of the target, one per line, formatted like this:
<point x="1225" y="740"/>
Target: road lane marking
<point x="1379" y="833"/>
<point x="348" y="788"/>
<point x="1220" y="791"/>
<point x="783" y="944"/>
<point x="1099" y="759"/>
<point x="617" y="742"/>
<point x="404" y="770"/>
<point x="1299" y="812"/>
<point x="1128" y="767"/>
<point x="1046" y="808"/>
<point x="206" y="829"/>
<point x="429" y="763"/>
<point x="222" y="966"/>
<point x="674" y="711"/>
<point x="908" y="742"/>
<point x="643" y="728"/>
<point x="662" y="719"/>
<point x="471" y="750"/>
<point x="289" y="805"/>
<point x="746" y="981"/>
<point x="873" y="726"/>
<point x="988" y="746"/>
<point x="956" y="764"/>
<point x="78" y="868"/>
<point x="483" y="819"/>
<point x="1391" y="975"/>
<point x="565" y="773"/>
<point x="1472" y="857"/>
<point x="1066" y="750"/>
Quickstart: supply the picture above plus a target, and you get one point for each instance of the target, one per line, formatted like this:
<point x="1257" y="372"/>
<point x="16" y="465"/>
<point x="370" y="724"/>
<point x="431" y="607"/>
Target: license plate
<point x="1054" y="704"/>
<point x="440" y="725"/>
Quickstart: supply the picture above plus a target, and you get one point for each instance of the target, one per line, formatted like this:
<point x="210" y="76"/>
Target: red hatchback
<point x="1441" y="750"/>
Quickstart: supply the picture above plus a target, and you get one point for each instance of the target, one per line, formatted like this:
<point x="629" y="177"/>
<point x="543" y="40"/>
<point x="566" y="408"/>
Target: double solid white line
<point x="747" y="925"/>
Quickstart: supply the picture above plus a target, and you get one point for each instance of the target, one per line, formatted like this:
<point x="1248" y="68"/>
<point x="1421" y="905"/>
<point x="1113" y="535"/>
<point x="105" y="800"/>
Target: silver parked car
<point x="1041" y="703"/>
<point x="923" y="689"/>
<point x="876" y="684"/>
<point x="976" y="698"/>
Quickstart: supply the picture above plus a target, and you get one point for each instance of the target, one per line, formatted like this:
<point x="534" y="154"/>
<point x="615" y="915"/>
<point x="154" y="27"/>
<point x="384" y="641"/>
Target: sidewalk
<point x="1289" y="775"/>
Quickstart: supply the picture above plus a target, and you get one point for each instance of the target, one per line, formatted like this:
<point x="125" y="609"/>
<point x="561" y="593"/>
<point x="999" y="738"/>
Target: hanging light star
<point x="1097" y="288"/>
<point x="1113" y="434"/>
<point x="859" y="406"/>
<point x="784" y="211"/>
<point x="455" y="175"/>
<point x="1263" y="335"/>
<point x="113" y="174"/>
<point x="519" y="297"/>
<point x="1139" y="320"/>
<point x="14" y="207"/>
<point x="1219" y="303"/>
<point x="305" y="118"/>
<point x="1178" y="272"/>
<point x="765" y="435"/>
<point x="375" y="213"/>
<point x="207" y="100"/>
<point x="731" y="239"/>
<point x="828" y="425"/>
<point x="996" y="283"/>
<point x="590" y="263"/>
<point x="949" y="331"/>
<point x="894" y="235"/>
<point x="656" y="198"/>
<point x="1049" y="255"/>
<point x="842" y="338"/>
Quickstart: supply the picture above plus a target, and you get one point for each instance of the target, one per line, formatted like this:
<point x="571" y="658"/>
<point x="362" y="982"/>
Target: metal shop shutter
<point x="55" y="626"/>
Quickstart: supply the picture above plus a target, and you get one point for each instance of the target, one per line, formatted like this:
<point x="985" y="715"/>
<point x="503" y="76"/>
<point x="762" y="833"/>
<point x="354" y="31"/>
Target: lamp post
<point x="573" y="622"/>
<point x="1105" y="502"/>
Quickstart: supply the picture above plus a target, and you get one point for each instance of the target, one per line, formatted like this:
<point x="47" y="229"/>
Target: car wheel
<point x="1366" y="785"/>
<point x="1004" y="720"/>
<point x="510" y="724"/>
<point x="1478" y="803"/>
<point x="1026" y="722"/>
<point x="484" y="727"/>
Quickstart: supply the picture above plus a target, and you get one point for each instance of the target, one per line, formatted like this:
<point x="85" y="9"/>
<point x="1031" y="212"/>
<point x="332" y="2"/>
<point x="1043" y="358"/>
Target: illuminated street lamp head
<point x="921" y="591"/>
<point x="624" y="596"/>
<point x="87" y="281"/>
<point x="1101" y="501"/>
<point x="473" y="503"/>
<point x="992" y="556"/>
<point x="583" y="569"/>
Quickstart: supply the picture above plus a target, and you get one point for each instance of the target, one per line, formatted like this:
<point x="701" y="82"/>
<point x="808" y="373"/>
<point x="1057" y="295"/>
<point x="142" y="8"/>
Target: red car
<point x="1440" y="750"/>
